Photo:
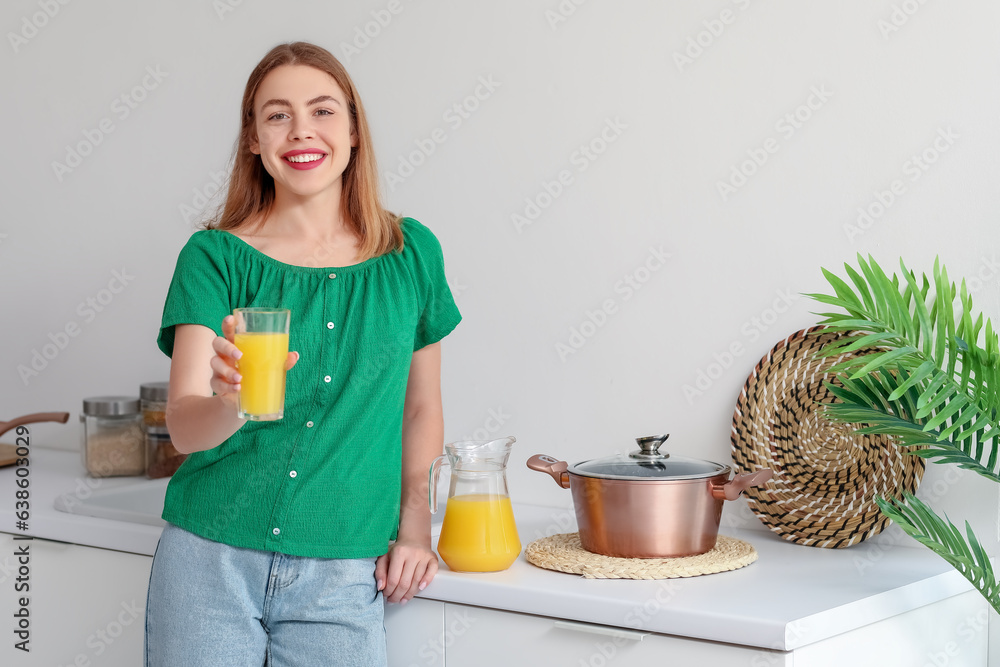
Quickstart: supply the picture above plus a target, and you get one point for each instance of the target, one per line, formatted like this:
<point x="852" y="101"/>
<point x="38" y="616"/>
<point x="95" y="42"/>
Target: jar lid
<point x="647" y="463"/>
<point x="105" y="406"/>
<point x="153" y="391"/>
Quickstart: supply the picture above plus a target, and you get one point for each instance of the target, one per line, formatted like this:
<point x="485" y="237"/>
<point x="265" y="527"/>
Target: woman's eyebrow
<point x="315" y="100"/>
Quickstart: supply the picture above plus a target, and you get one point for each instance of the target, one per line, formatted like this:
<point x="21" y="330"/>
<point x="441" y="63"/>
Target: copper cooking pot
<point x="648" y="504"/>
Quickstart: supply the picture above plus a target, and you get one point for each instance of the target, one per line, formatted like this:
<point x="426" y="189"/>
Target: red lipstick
<point x="310" y="164"/>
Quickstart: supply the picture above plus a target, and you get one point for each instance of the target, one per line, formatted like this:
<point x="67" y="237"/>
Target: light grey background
<point x="684" y="94"/>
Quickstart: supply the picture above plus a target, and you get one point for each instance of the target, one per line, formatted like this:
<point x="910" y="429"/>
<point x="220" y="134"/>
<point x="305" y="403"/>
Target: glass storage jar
<point x="162" y="459"/>
<point x="112" y="436"/>
<point x="153" y="396"/>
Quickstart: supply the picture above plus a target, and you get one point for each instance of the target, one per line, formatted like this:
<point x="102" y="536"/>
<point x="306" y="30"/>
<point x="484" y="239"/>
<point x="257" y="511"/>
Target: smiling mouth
<point x="306" y="157"/>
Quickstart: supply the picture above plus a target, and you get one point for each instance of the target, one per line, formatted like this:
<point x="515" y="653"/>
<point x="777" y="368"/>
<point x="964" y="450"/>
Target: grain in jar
<point x="113" y="442"/>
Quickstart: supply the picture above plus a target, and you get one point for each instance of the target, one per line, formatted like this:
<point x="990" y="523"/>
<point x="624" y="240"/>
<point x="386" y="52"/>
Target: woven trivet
<point x="826" y="478"/>
<point x="563" y="553"/>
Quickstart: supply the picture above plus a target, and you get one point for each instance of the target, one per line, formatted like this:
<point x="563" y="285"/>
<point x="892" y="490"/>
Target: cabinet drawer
<point x="486" y="638"/>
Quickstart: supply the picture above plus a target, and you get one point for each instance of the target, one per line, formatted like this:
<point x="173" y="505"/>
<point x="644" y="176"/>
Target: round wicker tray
<point x="826" y="478"/>
<point x="563" y="553"/>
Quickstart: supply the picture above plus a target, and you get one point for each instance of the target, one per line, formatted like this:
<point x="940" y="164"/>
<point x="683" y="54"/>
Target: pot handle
<point x="732" y="489"/>
<point x="547" y="464"/>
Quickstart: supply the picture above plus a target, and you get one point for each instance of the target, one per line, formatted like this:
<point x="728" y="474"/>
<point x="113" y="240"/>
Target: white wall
<point x="886" y="80"/>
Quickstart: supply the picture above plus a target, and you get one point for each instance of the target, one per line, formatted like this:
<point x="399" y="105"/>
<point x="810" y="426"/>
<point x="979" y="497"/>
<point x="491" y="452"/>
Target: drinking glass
<point x="262" y="337"/>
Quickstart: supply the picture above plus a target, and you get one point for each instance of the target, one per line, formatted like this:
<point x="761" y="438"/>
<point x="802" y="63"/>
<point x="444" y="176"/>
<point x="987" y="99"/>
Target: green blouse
<point x="325" y="480"/>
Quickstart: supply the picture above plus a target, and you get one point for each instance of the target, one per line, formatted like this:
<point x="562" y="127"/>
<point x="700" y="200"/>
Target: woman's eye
<point x="324" y="112"/>
<point x="274" y="116"/>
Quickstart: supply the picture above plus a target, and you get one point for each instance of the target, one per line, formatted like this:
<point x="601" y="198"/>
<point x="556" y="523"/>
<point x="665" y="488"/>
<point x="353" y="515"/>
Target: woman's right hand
<point x="225" y="377"/>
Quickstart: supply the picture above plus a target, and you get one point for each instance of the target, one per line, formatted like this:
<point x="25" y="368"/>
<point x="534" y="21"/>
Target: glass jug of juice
<point x="478" y="533"/>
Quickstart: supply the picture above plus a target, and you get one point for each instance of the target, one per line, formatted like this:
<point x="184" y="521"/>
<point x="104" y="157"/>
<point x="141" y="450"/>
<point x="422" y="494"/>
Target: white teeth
<point x="305" y="157"/>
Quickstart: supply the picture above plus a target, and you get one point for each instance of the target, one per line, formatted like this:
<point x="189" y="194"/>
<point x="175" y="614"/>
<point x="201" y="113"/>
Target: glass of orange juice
<point x="262" y="337"/>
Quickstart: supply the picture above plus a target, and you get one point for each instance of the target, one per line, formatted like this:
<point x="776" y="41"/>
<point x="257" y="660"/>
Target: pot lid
<point x="648" y="463"/>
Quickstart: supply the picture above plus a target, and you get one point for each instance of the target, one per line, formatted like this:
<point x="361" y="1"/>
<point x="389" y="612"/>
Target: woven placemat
<point x="563" y="553"/>
<point x="825" y="478"/>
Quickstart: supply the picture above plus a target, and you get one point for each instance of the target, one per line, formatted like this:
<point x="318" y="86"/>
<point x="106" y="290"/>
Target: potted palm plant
<point x="929" y="377"/>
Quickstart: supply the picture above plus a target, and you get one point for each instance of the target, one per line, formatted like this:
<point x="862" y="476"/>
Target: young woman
<point x="284" y="536"/>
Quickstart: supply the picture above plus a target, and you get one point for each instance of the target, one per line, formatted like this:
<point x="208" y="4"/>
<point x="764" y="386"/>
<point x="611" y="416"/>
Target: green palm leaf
<point x="914" y="328"/>
<point x="965" y="553"/>
<point x="922" y="368"/>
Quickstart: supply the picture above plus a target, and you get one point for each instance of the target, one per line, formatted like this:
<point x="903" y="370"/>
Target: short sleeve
<point x="199" y="290"/>
<point x="439" y="315"/>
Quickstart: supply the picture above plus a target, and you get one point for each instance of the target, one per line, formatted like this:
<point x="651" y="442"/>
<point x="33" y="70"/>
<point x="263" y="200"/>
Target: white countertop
<point x="791" y="597"/>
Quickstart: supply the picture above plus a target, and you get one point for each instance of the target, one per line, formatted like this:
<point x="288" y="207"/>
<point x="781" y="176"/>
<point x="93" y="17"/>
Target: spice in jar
<point x="153" y="396"/>
<point x="162" y="459"/>
<point x="112" y="436"/>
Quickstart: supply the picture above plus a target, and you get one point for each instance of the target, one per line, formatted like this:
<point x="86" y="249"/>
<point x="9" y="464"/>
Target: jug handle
<point x="432" y="482"/>
<point x="732" y="489"/>
<point x="550" y="466"/>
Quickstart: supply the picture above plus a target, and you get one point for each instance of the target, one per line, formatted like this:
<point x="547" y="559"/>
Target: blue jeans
<point x="213" y="605"/>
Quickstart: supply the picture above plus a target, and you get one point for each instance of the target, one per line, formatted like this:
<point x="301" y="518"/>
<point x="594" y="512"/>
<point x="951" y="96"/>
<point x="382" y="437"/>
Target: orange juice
<point x="262" y="389"/>
<point x="478" y="533"/>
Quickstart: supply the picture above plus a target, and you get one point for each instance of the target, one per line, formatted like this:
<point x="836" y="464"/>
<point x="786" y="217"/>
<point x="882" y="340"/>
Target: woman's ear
<point x="253" y="142"/>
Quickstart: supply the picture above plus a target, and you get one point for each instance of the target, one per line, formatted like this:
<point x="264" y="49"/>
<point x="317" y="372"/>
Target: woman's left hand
<point x="405" y="570"/>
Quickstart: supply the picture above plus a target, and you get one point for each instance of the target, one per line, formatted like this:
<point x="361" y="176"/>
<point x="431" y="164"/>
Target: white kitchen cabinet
<point x="86" y="606"/>
<point x="479" y="637"/>
<point x="415" y="633"/>
<point x="951" y="633"/>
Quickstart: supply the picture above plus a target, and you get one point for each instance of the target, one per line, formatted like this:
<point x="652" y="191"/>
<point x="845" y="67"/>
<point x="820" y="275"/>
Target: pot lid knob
<point x="649" y="448"/>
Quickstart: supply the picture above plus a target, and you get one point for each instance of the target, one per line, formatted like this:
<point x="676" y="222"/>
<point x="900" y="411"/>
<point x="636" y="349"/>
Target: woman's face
<point x="304" y="133"/>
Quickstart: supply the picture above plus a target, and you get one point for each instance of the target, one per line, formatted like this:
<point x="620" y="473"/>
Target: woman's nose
<point x="301" y="128"/>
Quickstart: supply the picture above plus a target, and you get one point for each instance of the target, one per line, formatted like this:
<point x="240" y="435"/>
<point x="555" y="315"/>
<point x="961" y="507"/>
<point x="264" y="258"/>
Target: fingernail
<point x="380" y="584"/>
<point x="237" y="378"/>
<point x="402" y="602"/>
<point x="237" y="354"/>
<point x="423" y="585"/>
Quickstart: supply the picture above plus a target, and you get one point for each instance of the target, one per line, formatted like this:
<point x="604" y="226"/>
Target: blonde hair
<point x="251" y="189"/>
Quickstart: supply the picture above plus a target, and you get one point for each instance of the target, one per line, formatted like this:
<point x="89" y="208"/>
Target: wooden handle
<point x="34" y="418"/>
